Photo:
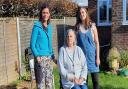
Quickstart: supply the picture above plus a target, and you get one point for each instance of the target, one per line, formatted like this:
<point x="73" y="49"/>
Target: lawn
<point x="107" y="81"/>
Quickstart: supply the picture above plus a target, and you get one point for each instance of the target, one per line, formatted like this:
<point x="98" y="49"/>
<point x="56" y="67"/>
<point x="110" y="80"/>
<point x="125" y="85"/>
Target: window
<point x="104" y="12"/>
<point x="125" y="12"/>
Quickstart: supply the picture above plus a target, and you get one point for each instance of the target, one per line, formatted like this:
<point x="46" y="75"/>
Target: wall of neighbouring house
<point x="119" y="31"/>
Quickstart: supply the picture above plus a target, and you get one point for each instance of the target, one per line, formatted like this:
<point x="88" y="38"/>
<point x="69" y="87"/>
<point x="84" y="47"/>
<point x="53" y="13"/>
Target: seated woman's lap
<point x="80" y="87"/>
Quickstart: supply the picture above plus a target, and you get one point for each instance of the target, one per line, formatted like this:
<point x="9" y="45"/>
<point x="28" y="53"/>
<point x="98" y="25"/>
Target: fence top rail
<point x="27" y="18"/>
<point x="8" y="18"/>
<point x="14" y="18"/>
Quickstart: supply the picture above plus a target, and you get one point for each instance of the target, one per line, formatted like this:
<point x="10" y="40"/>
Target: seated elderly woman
<point x="72" y="64"/>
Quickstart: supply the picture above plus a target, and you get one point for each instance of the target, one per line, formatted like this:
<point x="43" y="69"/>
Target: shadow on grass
<point x="111" y="87"/>
<point x="108" y="87"/>
<point x="11" y="87"/>
<point x="8" y="87"/>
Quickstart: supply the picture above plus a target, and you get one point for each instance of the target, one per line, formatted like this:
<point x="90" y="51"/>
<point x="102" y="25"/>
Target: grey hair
<point x="67" y="32"/>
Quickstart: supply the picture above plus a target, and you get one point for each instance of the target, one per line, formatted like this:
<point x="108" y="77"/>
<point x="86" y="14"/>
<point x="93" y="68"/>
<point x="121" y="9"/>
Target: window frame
<point x="125" y="21"/>
<point x="107" y="22"/>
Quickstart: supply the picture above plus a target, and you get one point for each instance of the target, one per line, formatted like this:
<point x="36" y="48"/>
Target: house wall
<point x="119" y="31"/>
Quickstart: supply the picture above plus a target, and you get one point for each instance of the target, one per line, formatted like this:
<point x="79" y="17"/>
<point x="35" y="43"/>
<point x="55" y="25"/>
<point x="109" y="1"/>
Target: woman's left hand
<point x="98" y="61"/>
<point x="53" y="58"/>
<point x="55" y="61"/>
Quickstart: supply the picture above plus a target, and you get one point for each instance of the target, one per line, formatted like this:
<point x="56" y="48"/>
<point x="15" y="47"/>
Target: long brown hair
<point x="87" y="22"/>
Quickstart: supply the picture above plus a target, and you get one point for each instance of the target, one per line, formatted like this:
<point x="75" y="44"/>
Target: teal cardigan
<point x="41" y="40"/>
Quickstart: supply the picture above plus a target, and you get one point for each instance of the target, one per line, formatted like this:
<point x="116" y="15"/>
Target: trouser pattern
<point x="44" y="74"/>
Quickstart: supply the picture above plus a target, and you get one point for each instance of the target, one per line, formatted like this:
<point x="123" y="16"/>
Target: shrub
<point x="30" y="8"/>
<point x="26" y="76"/>
<point x="25" y="62"/>
<point x="124" y="59"/>
<point x="113" y="54"/>
<point x="113" y="58"/>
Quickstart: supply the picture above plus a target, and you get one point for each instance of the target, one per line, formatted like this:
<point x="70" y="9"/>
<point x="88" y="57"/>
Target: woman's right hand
<point x="39" y="59"/>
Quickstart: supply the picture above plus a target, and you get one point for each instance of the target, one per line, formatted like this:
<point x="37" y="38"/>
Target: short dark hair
<point x="43" y="6"/>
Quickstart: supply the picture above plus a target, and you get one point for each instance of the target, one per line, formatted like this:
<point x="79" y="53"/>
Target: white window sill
<point x="104" y="24"/>
<point x="125" y="23"/>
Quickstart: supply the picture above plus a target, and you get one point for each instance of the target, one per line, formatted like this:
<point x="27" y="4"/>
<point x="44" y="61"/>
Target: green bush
<point x="26" y="76"/>
<point x="30" y="8"/>
<point x="124" y="59"/>
<point x="25" y="62"/>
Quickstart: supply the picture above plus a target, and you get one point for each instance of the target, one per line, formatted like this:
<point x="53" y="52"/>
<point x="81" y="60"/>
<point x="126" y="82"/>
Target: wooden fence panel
<point x="3" y="72"/>
<point x="8" y="51"/>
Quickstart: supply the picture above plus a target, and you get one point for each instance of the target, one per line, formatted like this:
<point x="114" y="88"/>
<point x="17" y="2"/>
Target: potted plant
<point x="113" y="59"/>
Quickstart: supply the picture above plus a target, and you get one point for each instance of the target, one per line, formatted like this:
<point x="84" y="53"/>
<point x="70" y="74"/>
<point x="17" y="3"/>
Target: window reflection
<point x="126" y="9"/>
<point x="103" y="11"/>
<point x="110" y="10"/>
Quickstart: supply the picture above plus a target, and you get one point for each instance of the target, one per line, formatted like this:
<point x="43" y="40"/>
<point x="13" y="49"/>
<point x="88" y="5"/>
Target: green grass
<point x="110" y="81"/>
<point x="107" y="81"/>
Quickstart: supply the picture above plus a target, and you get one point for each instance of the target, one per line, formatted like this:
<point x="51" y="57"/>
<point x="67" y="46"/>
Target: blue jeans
<point x="80" y="87"/>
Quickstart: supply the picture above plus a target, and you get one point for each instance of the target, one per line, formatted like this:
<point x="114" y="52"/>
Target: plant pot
<point x="123" y="72"/>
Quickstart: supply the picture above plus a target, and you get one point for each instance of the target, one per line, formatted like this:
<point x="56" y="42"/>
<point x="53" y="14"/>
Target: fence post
<point x="64" y="27"/>
<point x="4" y="34"/>
<point x="19" y="46"/>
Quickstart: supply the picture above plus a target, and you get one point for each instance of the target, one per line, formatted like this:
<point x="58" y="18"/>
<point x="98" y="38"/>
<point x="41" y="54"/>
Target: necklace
<point x="70" y="52"/>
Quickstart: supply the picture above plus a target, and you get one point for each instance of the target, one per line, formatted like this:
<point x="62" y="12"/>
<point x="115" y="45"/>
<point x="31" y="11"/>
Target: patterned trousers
<point x="44" y="74"/>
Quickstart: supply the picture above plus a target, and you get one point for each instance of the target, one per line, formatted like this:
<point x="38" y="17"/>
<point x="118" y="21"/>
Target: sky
<point x="81" y="2"/>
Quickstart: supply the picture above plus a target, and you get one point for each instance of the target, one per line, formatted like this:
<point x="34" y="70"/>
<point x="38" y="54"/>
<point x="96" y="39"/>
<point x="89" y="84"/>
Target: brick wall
<point x="119" y="31"/>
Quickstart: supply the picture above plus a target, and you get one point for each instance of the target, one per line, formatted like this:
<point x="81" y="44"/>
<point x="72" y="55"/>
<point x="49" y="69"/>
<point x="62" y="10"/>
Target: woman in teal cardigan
<point x="41" y="46"/>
